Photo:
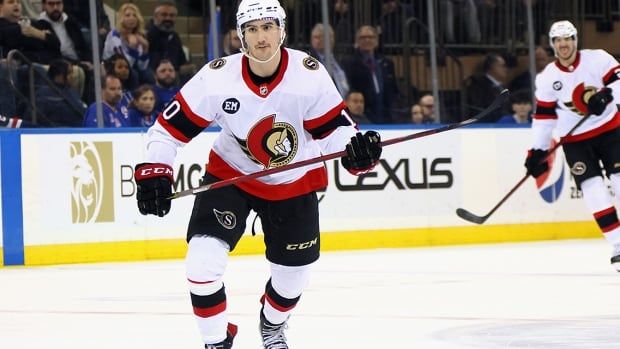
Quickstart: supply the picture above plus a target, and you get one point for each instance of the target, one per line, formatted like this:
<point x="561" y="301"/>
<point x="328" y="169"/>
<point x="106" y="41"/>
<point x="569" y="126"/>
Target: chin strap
<point x="245" y="53"/>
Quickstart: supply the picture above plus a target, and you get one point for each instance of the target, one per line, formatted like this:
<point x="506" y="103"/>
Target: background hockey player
<point x="273" y="104"/>
<point x="578" y="83"/>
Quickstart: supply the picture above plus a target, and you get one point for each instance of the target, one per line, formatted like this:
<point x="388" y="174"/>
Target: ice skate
<point x="272" y="335"/>
<point x="231" y="332"/>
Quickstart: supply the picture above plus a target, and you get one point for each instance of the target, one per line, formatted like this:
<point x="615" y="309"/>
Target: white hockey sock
<point x="599" y="201"/>
<point x="205" y="262"/>
<point x="283" y="291"/>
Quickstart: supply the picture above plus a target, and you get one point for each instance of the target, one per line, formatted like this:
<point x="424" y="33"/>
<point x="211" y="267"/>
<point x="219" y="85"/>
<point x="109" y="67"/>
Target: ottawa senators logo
<point x="217" y="63"/>
<point x="581" y="96"/>
<point x="270" y="143"/>
<point x="311" y="63"/>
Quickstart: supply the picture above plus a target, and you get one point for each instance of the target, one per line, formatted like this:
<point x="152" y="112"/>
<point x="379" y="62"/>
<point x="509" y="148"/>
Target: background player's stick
<point x="468" y="216"/>
<point x="499" y="100"/>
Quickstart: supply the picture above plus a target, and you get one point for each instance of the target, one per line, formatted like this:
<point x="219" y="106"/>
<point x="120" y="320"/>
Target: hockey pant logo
<point x="302" y="246"/>
<point x="578" y="168"/>
<point x="226" y="218"/>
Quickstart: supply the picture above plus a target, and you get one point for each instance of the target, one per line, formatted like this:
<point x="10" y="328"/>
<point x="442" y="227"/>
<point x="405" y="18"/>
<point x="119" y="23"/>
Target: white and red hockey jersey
<point x="264" y="126"/>
<point x="562" y="94"/>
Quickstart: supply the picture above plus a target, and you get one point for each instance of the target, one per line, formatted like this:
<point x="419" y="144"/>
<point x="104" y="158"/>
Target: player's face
<point x="565" y="48"/>
<point x="262" y="38"/>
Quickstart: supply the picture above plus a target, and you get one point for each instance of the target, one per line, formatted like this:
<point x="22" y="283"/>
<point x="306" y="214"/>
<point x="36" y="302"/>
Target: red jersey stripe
<point x="312" y="180"/>
<point x="325" y="118"/>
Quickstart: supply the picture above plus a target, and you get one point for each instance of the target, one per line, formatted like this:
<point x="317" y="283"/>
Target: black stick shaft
<point x="481" y="219"/>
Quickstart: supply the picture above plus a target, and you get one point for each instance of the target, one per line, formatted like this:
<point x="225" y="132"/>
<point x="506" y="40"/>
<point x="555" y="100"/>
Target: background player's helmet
<point x="252" y="10"/>
<point x="562" y="29"/>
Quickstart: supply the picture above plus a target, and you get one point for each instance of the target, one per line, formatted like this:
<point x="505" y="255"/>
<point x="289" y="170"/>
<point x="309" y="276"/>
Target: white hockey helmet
<point x="562" y="29"/>
<point x="252" y="10"/>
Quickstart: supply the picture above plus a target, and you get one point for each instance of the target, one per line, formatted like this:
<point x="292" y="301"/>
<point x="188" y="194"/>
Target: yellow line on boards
<point x="330" y="241"/>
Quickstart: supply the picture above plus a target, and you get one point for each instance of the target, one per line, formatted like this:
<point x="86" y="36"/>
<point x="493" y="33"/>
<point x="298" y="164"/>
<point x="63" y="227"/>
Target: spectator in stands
<point x="372" y="74"/>
<point x="427" y="105"/>
<point x="60" y="106"/>
<point x="118" y="66"/>
<point x="355" y="104"/>
<point x="73" y="47"/>
<point x="111" y="93"/>
<point x="72" y="44"/>
<point x="142" y="108"/>
<point x="317" y="50"/>
<point x="34" y="38"/>
<point x="165" y="42"/>
<point x="129" y="39"/>
<point x="483" y="88"/>
<point x="523" y="81"/>
<point x="521" y="109"/>
<point x="165" y="84"/>
<point x="231" y="43"/>
<point x="416" y="114"/>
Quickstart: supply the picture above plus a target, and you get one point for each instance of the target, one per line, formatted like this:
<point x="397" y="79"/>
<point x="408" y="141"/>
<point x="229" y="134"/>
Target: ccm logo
<point x="302" y="246"/>
<point x="155" y="170"/>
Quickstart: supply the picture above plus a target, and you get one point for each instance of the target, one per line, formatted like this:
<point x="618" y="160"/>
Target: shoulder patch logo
<point x="231" y="105"/>
<point x="217" y="63"/>
<point x="557" y="85"/>
<point x="311" y="63"/>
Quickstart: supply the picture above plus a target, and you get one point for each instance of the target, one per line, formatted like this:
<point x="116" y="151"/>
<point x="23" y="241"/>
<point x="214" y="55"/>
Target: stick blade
<point x="470" y="217"/>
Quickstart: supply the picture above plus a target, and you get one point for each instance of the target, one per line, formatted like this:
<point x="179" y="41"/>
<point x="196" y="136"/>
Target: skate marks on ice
<point x="586" y="333"/>
<point x="530" y="295"/>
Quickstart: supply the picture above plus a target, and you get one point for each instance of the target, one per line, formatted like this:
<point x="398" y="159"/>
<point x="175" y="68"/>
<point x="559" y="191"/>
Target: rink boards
<point x="68" y="196"/>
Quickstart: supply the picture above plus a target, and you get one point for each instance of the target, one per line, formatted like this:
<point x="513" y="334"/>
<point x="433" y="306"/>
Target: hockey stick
<point x="499" y="100"/>
<point x="468" y="216"/>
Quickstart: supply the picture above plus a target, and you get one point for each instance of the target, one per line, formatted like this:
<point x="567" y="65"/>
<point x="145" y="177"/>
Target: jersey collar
<point x="572" y="67"/>
<point x="263" y="90"/>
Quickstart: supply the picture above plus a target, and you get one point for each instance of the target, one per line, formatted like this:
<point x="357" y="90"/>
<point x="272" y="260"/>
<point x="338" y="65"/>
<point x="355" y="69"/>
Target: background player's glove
<point x="599" y="101"/>
<point x="534" y="162"/>
<point x="363" y="153"/>
<point x="154" y="183"/>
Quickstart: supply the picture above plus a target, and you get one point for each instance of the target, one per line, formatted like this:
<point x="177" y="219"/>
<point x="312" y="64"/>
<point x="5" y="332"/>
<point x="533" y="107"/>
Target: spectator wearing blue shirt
<point x="521" y="109"/>
<point x="118" y="66"/>
<point x="142" y="108"/>
<point x="166" y="84"/>
<point x="111" y="93"/>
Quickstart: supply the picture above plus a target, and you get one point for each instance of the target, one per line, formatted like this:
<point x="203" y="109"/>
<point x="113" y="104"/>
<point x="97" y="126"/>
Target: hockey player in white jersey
<point x="578" y="83"/>
<point x="275" y="106"/>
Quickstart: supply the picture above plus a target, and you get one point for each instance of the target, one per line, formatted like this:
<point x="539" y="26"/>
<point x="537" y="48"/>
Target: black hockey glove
<point x="599" y="101"/>
<point x="154" y="183"/>
<point x="363" y="153"/>
<point x="534" y="162"/>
